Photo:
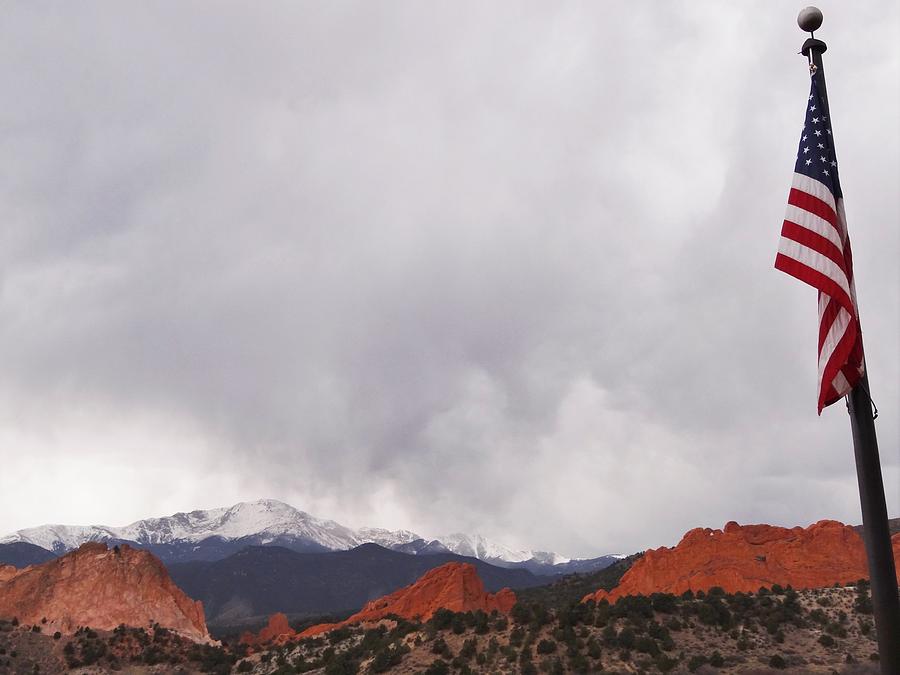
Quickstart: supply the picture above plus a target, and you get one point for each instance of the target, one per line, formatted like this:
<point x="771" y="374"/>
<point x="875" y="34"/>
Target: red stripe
<point x="814" y="241"/>
<point x="827" y="319"/>
<point x="827" y="393"/>
<point x="813" y="204"/>
<point x="814" y="278"/>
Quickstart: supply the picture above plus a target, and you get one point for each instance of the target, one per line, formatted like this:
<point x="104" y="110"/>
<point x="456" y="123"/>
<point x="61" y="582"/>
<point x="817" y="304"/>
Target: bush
<point x="826" y="640"/>
<point x="777" y="661"/>
<point x="647" y="645"/>
<point x="696" y="661"/>
<point x="244" y="667"/>
<point x="521" y="613"/>
<point x="441" y="619"/>
<point x="626" y="638"/>
<point x="546" y="647"/>
<point x="438" y="667"/>
<point x="439" y="646"/>
<point x="716" y="660"/>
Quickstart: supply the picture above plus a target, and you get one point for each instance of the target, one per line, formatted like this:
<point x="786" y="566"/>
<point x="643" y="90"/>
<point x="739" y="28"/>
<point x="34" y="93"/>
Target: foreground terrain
<point x="822" y="630"/>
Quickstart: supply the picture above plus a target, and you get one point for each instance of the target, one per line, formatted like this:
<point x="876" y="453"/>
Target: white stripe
<point x="815" y="260"/>
<point x="815" y="188"/>
<point x="840" y="384"/>
<point x="842" y="219"/>
<point x="835" y="333"/>
<point x="812" y="222"/>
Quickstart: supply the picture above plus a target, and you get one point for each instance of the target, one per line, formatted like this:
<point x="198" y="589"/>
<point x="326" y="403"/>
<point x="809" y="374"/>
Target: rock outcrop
<point x="745" y="558"/>
<point x="454" y="586"/>
<point x="101" y="588"/>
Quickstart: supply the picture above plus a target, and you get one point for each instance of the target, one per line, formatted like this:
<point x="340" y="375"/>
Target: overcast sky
<point x="487" y="267"/>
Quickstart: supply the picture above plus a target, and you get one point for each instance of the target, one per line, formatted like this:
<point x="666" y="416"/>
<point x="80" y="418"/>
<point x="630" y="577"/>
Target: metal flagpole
<point x="882" y="574"/>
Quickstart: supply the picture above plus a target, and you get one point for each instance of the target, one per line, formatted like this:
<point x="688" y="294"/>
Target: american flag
<point x="815" y="249"/>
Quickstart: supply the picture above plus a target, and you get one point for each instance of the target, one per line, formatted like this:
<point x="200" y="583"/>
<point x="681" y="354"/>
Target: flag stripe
<point x="816" y="207"/>
<point x="814" y="188"/>
<point x="817" y="224"/>
<point x="816" y="270"/>
<point x="816" y="243"/>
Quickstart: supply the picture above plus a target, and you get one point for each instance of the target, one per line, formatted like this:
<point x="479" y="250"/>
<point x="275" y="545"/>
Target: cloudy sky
<point x="460" y="266"/>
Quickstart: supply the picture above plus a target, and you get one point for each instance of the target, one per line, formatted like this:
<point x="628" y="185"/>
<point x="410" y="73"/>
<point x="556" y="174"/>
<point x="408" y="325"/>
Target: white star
<point x="817" y="132"/>
<point x="828" y="131"/>
<point x="826" y="172"/>
<point x="815" y="120"/>
<point x="804" y="137"/>
<point x="805" y="150"/>
<point x="833" y="163"/>
<point x="808" y="162"/>
<point x="823" y="159"/>
<point x="810" y="97"/>
<point x="821" y="146"/>
<point x="811" y="108"/>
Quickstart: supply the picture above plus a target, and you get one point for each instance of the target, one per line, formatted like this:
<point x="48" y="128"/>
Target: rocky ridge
<point x="745" y="558"/>
<point x="102" y="588"/>
<point x="454" y="586"/>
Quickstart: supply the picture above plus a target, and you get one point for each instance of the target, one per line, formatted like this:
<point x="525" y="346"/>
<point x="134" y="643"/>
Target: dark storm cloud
<point x="502" y="269"/>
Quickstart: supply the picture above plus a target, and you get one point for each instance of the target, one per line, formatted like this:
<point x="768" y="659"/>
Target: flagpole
<point x="876" y="533"/>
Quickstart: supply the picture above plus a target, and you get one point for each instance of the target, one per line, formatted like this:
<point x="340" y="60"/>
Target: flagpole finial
<point x="809" y="19"/>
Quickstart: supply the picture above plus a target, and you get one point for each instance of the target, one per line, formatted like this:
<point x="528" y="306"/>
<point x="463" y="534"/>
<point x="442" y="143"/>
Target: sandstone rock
<point x="744" y="558"/>
<point x="278" y="630"/>
<point x="7" y="572"/>
<point x="454" y="586"/>
<point x="101" y="588"/>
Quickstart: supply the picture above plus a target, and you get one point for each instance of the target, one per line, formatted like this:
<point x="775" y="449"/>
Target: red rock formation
<point x="101" y="588"/>
<point x="278" y="629"/>
<point x="7" y="572"/>
<point x="454" y="586"/>
<point x="744" y="558"/>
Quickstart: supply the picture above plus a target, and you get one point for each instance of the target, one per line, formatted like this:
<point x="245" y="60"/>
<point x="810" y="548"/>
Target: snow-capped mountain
<point x="477" y="546"/>
<point x="268" y="521"/>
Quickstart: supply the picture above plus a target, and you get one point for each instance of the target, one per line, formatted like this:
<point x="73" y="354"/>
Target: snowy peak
<point x="479" y="547"/>
<point x="268" y="521"/>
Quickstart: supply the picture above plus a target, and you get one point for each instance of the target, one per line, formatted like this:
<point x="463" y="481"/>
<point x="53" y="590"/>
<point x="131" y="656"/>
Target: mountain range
<point x="215" y="534"/>
<point x="262" y="580"/>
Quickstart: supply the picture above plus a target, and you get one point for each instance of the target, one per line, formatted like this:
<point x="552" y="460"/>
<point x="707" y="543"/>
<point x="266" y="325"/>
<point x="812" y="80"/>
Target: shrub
<point x="626" y="638"/>
<point x="546" y="647"/>
<point x="438" y="667"/>
<point x="777" y="661"/>
<point x="244" y="667"/>
<point x="646" y="645"/>
<point x="716" y="660"/>
<point x="441" y="619"/>
<point x="439" y="646"/>
<point x="665" y="663"/>
<point x="664" y="603"/>
<point x="696" y="661"/>
<point x="578" y="664"/>
<point x="521" y="613"/>
<point x="826" y="640"/>
<point x="469" y="648"/>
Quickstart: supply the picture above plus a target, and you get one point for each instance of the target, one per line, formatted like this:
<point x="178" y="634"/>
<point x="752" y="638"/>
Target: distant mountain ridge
<point x="214" y="534"/>
<point x="262" y="580"/>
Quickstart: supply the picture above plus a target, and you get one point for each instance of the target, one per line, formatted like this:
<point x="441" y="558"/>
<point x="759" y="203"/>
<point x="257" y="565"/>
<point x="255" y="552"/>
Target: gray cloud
<point x="444" y="267"/>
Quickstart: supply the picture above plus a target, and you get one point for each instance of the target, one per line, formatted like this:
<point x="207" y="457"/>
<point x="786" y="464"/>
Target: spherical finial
<point x="810" y="19"/>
